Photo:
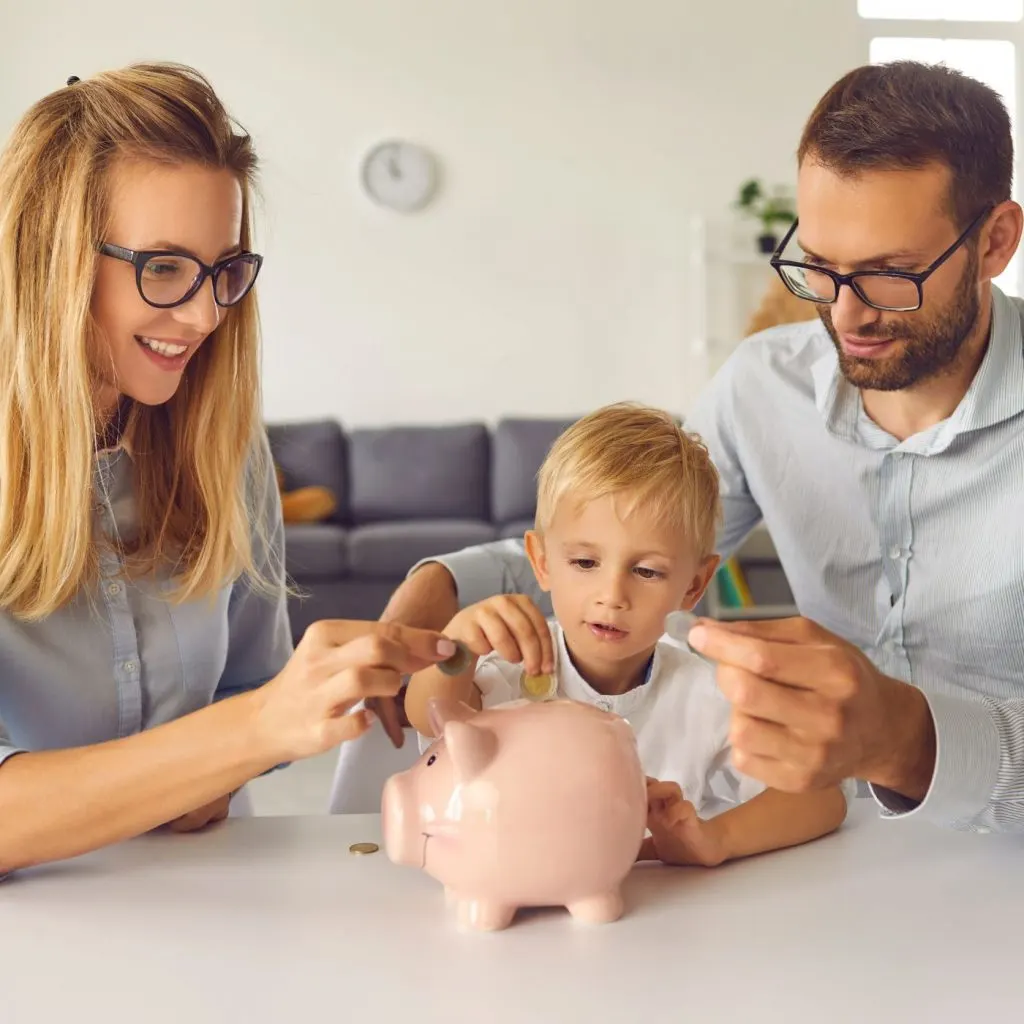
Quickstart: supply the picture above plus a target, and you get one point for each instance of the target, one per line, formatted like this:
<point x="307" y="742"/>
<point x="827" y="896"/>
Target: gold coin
<point x="363" y="848"/>
<point x="538" y="687"/>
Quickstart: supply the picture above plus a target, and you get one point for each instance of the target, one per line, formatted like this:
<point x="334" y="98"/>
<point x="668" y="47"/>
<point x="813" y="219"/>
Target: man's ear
<point x="538" y="558"/>
<point x="999" y="239"/>
<point x="701" y="578"/>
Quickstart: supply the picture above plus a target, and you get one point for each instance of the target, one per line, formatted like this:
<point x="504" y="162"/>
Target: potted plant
<point x="772" y="210"/>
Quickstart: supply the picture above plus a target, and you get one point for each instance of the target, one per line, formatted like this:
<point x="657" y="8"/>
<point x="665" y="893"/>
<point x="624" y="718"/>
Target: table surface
<point x="272" y="919"/>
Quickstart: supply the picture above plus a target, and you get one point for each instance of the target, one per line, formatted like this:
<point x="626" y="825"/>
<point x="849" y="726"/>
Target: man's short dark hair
<point x="908" y="115"/>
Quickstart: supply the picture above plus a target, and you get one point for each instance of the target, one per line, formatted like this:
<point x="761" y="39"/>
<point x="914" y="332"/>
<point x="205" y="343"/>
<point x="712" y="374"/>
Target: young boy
<point x="627" y="507"/>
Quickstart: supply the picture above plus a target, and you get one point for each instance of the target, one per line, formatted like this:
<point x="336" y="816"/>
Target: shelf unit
<point x="729" y="278"/>
<point x="769" y="587"/>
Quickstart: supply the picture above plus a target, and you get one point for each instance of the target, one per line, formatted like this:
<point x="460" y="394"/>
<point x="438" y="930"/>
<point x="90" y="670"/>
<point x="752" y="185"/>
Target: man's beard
<point x="930" y="344"/>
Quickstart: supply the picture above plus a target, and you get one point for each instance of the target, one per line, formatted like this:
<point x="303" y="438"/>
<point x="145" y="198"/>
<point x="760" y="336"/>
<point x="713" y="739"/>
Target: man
<point x="882" y="444"/>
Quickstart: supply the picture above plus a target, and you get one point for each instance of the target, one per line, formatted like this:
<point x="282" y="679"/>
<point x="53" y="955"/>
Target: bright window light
<point x="942" y="10"/>
<point x="992" y="61"/>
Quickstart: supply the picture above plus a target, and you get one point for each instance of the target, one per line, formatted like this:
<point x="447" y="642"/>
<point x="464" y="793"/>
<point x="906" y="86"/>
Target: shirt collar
<point x="575" y="687"/>
<point x="996" y="393"/>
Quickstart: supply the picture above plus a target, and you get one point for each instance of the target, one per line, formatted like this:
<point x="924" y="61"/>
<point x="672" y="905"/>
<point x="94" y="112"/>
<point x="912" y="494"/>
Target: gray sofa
<point x="404" y="493"/>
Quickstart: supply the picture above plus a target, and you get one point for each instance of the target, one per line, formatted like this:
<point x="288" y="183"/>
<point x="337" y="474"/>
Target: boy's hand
<point x="678" y="836"/>
<point x="510" y="624"/>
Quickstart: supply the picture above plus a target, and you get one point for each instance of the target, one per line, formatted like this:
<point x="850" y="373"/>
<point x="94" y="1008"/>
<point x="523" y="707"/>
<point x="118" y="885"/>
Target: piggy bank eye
<point x="431" y="759"/>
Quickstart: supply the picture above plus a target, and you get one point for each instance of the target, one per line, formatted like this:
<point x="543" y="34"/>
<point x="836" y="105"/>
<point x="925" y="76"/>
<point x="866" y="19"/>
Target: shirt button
<point x="895" y="552"/>
<point x="113" y="589"/>
<point x="129" y="667"/>
<point x="604" y="705"/>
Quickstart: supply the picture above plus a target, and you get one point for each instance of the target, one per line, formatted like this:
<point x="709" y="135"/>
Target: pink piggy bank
<point x="522" y="805"/>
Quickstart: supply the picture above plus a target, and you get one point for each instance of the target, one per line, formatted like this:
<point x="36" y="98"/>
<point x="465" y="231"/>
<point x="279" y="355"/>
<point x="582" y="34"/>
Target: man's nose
<point x="850" y="312"/>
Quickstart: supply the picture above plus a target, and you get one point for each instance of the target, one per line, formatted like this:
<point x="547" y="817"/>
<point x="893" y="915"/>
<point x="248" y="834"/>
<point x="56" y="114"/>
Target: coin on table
<point x="363" y="848"/>
<point x="539" y="687"/>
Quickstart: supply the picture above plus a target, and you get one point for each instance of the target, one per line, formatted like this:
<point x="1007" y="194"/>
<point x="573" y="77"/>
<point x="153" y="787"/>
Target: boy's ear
<point x="701" y="578"/>
<point x="538" y="557"/>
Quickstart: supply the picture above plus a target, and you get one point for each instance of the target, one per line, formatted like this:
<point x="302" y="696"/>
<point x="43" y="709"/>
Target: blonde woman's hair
<point x="193" y="457"/>
<point x="642" y="458"/>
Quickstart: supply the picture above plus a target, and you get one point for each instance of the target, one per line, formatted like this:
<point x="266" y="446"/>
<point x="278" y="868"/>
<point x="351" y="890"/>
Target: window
<point x="990" y="60"/>
<point x="942" y="10"/>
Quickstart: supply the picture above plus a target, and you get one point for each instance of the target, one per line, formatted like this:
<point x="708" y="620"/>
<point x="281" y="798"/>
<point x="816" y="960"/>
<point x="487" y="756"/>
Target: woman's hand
<point x="210" y="814"/>
<point x="308" y="707"/>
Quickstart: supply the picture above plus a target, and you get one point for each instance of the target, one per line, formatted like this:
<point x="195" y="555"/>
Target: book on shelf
<point x="733" y="589"/>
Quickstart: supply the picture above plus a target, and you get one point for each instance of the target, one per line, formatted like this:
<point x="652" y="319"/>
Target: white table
<point x="271" y="919"/>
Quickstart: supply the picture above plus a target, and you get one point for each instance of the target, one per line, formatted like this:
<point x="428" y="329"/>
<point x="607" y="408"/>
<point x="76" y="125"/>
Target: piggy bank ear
<point x="440" y="712"/>
<point x="471" y="748"/>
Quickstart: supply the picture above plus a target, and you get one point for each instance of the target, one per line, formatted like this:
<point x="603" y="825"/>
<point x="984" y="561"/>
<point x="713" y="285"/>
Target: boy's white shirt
<point x="679" y="717"/>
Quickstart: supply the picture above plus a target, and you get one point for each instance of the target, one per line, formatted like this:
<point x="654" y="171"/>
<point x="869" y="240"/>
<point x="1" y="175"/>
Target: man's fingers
<point x="386" y="710"/>
<point x="808" y="666"/>
<point x="781" y="775"/>
<point x="794" y="630"/>
<point x="763" y="746"/>
<point x="804" y="711"/>
<point x="754" y="737"/>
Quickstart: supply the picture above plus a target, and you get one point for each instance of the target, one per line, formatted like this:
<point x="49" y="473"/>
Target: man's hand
<point x="809" y="709"/>
<point x="678" y="835"/>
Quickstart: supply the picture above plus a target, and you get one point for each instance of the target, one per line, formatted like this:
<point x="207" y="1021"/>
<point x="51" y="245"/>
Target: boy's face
<point x="613" y="581"/>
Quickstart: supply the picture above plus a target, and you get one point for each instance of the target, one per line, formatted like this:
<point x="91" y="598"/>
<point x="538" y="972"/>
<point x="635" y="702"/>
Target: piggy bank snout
<point x="400" y="825"/>
<point x="396" y="827"/>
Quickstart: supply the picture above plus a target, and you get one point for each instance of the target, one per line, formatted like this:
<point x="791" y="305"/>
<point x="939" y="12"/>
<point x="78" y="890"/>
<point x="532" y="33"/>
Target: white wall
<point x="577" y="138"/>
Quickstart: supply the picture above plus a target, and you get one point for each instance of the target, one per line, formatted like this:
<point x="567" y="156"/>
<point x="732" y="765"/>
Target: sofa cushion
<point x="312" y="453"/>
<point x="390" y="550"/>
<point x="316" y="550"/>
<point x="431" y="472"/>
<point x="519" y="448"/>
<point x="517" y="528"/>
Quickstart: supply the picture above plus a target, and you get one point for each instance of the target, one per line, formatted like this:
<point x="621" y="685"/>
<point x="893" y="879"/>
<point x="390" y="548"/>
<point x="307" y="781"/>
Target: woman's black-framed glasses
<point x="166" y="279"/>
<point x="893" y="291"/>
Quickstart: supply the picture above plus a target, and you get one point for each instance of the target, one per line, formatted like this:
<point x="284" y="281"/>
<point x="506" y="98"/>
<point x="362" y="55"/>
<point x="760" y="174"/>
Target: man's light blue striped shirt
<point x="912" y="550"/>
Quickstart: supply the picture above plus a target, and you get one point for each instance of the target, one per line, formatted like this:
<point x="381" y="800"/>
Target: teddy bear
<point x="778" y="306"/>
<point x="305" y="504"/>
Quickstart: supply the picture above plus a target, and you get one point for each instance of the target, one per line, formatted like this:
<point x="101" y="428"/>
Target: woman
<point x="146" y="668"/>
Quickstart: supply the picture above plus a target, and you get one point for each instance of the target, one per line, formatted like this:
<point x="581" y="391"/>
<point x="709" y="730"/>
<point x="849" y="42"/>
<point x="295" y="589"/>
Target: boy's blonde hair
<point x="642" y="457"/>
<point x="193" y="489"/>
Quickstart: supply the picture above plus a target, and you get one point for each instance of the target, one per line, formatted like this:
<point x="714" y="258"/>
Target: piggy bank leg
<point x="598" y="909"/>
<point x="482" y="915"/>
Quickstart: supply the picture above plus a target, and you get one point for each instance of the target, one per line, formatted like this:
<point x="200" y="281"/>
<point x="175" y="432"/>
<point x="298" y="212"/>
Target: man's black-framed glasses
<point x="893" y="291"/>
<point x="166" y="279"/>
